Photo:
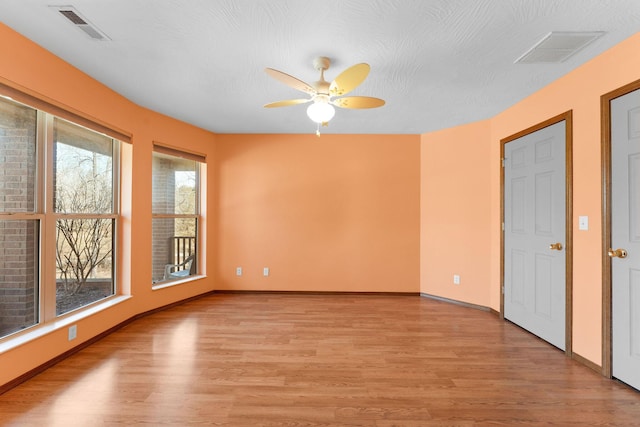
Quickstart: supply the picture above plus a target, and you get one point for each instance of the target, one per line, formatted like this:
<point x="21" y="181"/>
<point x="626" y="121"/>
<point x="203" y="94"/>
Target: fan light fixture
<point x="324" y="95"/>
<point x="321" y="112"/>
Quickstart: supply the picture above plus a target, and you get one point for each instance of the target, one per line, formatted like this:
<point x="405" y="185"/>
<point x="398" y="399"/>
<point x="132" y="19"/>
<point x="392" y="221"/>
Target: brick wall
<point x="163" y="202"/>
<point x="18" y="238"/>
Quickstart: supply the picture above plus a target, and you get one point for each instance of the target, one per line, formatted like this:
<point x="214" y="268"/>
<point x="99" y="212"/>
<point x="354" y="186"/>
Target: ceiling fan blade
<point x="349" y="79"/>
<point x="291" y="81"/>
<point x="286" y="103"/>
<point x="358" y="102"/>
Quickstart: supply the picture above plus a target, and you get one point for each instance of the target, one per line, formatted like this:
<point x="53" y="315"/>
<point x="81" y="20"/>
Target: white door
<point x="625" y="235"/>
<point x="534" y="233"/>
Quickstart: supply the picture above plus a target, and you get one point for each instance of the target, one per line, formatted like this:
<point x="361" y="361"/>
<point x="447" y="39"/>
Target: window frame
<point x="55" y="216"/>
<point x="46" y="216"/>
<point x="200" y="162"/>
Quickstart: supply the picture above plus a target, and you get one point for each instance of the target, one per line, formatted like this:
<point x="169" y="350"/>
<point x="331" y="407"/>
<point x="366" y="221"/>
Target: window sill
<point x="169" y="284"/>
<point x="38" y="331"/>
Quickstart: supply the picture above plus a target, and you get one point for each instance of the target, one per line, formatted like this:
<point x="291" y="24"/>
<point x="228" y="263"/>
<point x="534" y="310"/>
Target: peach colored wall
<point x="450" y="150"/>
<point x="26" y="65"/>
<point x="579" y="91"/>
<point x="455" y="213"/>
<point x="336" y="213"/>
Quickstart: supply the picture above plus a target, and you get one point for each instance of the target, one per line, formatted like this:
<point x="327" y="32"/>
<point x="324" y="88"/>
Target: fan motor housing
<point x="322" y="87"/>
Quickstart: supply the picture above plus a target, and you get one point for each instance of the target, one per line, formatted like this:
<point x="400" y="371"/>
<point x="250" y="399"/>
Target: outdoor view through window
<point x="175" y="216"/>
<point x="19" y="223"/>
<point x="83" y="200"/>
<point x="56" y="179"/>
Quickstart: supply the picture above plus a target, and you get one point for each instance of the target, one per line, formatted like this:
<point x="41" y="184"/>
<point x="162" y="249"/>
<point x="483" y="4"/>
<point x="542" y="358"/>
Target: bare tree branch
<point x="82" y="244"/>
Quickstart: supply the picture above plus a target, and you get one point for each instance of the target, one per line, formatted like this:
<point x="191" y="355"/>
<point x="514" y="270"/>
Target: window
<point x="19" y="223"/>
<point x="57" y="180"/>
<point x="176" y="211"/>
<point x="85" y="215"/>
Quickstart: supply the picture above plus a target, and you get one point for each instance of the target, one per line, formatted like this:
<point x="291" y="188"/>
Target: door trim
<point x="607" y="291"/>
<point x="568" y="118"/>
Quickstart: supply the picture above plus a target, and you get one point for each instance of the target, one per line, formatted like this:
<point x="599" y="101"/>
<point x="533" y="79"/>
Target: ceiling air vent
<point x="558" y="46"/>
<point x="81" y="22"/>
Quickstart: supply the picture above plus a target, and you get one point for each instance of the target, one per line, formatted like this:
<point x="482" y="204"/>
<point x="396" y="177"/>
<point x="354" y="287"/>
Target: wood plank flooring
<point x="320" y="360"/>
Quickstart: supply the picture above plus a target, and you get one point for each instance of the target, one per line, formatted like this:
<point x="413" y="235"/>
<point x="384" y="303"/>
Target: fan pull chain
<point x="318" y="131"/>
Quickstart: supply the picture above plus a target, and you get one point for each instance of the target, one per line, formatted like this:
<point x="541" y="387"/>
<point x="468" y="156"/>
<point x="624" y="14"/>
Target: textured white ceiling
<point x="437" y="63"/>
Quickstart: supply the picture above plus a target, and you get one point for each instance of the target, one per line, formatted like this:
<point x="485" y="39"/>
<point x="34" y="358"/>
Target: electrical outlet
<point x="238" y="271"/>
<point x="73" y="332"/>
<point x="456" y="279"/>
<point x="265" y="271"/>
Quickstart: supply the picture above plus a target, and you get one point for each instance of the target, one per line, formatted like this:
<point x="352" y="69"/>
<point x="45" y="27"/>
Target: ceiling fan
<point x="325" y="95"/>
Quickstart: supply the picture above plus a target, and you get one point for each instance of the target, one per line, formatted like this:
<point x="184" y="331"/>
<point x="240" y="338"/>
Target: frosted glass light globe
<point x="321" y="112"/>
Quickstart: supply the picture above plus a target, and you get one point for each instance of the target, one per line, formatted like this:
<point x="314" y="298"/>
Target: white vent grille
<point x="558" y="46"/>
<point x="81" y="22"/>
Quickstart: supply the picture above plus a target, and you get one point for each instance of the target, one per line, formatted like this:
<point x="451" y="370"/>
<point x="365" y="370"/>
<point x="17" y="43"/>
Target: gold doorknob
<point x="555" y="246"/>
<point x="618" y="253"/>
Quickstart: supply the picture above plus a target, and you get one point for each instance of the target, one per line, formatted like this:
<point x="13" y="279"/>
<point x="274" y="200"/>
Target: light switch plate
<point x="583" y="222"/>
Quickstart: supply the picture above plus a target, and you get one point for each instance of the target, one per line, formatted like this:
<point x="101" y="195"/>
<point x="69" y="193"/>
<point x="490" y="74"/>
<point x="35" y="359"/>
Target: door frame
<point x="568" y="118"/>
<point x="607" y="283"/>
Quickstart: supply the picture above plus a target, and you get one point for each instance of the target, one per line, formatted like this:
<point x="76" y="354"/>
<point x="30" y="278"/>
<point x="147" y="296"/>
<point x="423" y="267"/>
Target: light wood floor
<point x="315" y="360"/>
